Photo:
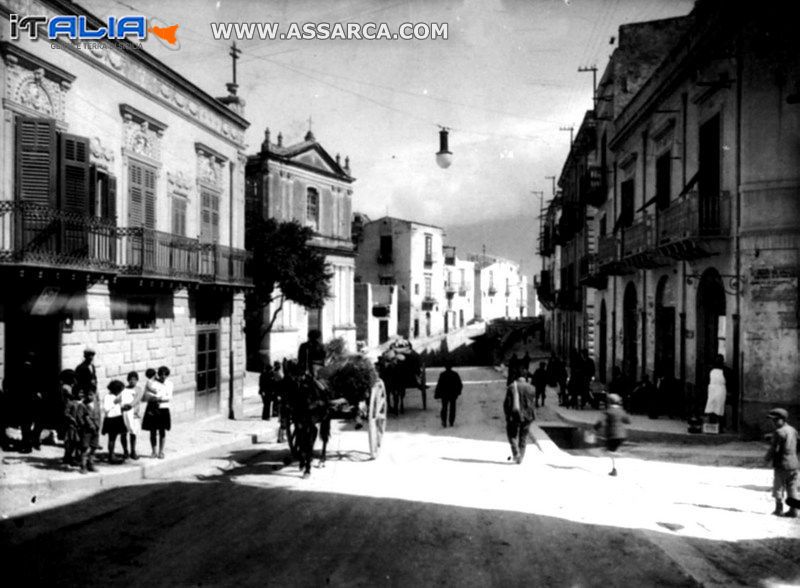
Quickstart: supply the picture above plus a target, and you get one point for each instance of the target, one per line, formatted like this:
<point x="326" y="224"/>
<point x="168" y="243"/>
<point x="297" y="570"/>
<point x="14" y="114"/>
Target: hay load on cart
<point x="400" y="368"/>
<point x="356" y="392"/>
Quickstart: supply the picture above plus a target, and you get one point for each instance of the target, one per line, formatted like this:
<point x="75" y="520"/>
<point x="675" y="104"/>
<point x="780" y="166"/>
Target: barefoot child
<point x="613" y="424"/>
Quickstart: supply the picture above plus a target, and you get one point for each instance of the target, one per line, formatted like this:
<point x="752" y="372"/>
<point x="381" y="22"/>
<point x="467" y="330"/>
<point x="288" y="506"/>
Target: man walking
<point x="539" y="381"/>
<point x="448" y="389"/>
<point x="518" y="409"/>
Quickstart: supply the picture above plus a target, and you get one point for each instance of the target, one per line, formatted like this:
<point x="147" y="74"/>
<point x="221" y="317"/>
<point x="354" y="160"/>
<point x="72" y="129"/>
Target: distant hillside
<point x="512" y="238"/>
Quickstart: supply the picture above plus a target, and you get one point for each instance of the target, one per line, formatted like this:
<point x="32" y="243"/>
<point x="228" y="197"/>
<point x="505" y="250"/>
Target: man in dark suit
<point x="518" y="409"/>
<point x="448" y="389"/>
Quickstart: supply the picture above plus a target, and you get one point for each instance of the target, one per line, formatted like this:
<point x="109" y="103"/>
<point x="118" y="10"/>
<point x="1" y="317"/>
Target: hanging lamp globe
<point x="444" y="157"/>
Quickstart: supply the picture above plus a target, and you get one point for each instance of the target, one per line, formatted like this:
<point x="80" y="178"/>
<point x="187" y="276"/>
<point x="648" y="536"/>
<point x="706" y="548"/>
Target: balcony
<point x="685" y="229"/>
<point x="450" y="289"/>
<point x="428" y="303"/>
<point x="46" y="237"/>
<point x="43" y="236"/>
<point x="449" y="255"/>
<point x="462" y="289"/>
<point x="546" y="242"/>
<point x="593" y="186"/>
<point x="428" y="262"/>
<point x="590" y="273"/>
<point x="635" y="239"/>
<point x="492" y="290"/>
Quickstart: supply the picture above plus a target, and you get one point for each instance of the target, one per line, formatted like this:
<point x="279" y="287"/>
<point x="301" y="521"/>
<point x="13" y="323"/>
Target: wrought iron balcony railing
<point x="44" y="236"/>
<point x="428" y="303"/>
<point x="449" y="255"/>
<point x="606" y="250"/>
<point x="694" y="218"/>
<point x="40" y="235"/>
<point x="636" y="238"/>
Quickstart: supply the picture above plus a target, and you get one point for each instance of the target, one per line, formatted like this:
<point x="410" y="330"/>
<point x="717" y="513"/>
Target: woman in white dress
<point x="717" y="389"/>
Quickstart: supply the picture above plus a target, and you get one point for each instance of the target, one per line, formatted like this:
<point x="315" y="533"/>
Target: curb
<point x="131" y="473"/>
<point x="645" y="435"/>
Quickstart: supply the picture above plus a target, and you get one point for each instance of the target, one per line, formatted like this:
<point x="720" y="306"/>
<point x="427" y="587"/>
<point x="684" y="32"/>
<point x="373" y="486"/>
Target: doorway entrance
<point x="710" y="325"/>
<point x="36" y="339"/>
<point x="602" y="355"/>
<point x="629" y="333"/>
<point x="207" y="394"/>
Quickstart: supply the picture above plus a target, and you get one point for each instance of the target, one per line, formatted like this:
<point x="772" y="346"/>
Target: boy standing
<point x="783" y="455"/>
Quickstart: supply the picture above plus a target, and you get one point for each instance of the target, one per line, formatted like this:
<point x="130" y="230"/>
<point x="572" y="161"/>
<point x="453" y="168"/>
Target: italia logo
<point x="77" y="28"/>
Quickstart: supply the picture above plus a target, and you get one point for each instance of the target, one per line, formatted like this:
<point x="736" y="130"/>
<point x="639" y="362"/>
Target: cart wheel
<point x="377" y="417"/>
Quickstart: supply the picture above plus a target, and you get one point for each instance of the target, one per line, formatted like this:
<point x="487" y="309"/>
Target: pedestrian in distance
<point x="157" y="418"/>
<point x="132" y="397"/>
<point x="113" y="421"/>
<point x="587" y="372"/>
<point x="717" y="392"/>
<point x="554" y="385"/>
<point x="613" y="425"/>
<point x="786" y="469"/>
<point x="448" y="389"/>
<point x="518" y="408"/>
<point x="540" y="383"/>
<point x="266" y="389"/>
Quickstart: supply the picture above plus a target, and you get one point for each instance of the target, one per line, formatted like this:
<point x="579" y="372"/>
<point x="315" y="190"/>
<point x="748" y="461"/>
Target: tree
<point x="284" y="267"/>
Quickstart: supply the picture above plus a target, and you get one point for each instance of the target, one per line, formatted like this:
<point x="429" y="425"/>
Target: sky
<point x="505" y="82"/>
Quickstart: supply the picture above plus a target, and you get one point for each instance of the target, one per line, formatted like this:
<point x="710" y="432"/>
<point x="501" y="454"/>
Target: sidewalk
<point x="42" y="473"/>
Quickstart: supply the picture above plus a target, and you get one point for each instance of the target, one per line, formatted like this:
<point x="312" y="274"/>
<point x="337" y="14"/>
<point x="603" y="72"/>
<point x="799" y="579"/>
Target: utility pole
<point x="541" y="214"/>
<point x="592" y="69"/>
<point x="571" y="130"/>
<point x="554" y="183"/>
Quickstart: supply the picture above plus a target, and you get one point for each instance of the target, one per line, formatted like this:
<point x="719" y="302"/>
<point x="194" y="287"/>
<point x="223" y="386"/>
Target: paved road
<point x="439" y="507"/>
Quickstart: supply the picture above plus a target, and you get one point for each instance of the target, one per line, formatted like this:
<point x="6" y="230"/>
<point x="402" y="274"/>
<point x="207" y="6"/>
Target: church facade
<point x="302" y="182"/>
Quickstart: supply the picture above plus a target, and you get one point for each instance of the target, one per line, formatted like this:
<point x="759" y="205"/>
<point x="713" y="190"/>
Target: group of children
<point x="121" y="413"/>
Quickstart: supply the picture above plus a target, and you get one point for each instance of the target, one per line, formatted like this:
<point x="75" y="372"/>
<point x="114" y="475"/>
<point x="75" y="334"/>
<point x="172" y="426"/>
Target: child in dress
<point x="113" y="423"/>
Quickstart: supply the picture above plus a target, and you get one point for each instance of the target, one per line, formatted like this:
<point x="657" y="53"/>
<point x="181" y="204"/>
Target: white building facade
<point x="407" y="254"/>
<point x="121" y="218"/>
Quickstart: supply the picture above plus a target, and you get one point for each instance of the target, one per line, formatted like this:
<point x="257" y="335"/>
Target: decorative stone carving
<point x="142" y="134"/>
<point x="33" y="86"/>
<point x="102" y="157"/>
<point x="210" y="165"/>
<point x="178" y="184"/>
<point x="129" y="66"/>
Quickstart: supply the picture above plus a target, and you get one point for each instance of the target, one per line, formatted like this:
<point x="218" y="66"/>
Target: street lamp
<point x="444" y="157"/>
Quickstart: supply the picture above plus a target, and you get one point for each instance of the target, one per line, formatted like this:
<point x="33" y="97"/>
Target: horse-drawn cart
<point x="348" y="391"/>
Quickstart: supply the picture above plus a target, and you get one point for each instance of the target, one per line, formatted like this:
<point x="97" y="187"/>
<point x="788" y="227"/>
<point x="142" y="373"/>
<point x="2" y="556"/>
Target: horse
<point x="308" y="413"/>
<point x="399" y="374"/>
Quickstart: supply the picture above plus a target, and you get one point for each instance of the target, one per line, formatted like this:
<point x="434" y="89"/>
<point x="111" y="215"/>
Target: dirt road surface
<point x="440" y="507"/>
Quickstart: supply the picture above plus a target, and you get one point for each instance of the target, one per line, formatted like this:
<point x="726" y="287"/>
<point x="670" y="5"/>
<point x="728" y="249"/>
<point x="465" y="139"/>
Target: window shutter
<point x="95" y="192"/>
<point x="109" y="201"/>
<point x="135" y="194"/>
<point x="150" y="198"/>
<point x="215" y="217"/>
<point x="74" y="180"/>
<point x="36" y="160"/>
